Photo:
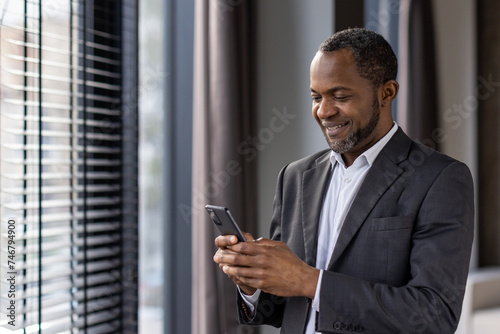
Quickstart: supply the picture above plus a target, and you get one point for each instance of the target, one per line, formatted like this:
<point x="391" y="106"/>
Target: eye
<point x="316" y="98"/>
<point x="342" y="97"/>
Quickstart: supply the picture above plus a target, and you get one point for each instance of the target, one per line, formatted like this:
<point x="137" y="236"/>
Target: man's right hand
<point x="222" y="242"/>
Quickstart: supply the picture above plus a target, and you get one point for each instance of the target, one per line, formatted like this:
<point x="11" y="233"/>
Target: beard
<point x="354" y="138"/>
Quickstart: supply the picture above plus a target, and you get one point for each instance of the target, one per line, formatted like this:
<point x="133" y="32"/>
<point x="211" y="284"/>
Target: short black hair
<point x="373" y="55"/>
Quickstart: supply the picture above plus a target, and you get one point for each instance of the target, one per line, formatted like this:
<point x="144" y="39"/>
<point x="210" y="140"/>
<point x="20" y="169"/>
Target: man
<point x="373" y="235"/>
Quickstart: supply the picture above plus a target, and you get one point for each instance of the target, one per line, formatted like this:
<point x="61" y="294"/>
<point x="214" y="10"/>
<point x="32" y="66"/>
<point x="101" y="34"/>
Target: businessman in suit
<point x="372" y="235"/>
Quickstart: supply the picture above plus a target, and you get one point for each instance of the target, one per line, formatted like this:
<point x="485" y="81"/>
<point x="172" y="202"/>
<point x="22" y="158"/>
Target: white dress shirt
<point x="344" y="185"/>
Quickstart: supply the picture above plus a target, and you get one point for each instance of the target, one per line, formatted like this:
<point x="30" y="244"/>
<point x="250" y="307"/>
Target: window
<point x="152" y="80"/>
<point x="68" y="165"/>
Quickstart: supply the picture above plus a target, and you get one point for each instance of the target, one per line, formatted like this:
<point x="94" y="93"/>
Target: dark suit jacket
<point x="401" y="261"/>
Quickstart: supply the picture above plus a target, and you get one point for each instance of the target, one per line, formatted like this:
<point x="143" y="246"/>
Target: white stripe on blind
<point x="68" y="165"/>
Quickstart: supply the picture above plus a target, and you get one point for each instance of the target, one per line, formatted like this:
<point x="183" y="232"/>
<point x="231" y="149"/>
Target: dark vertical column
<point x="128" y="20"/>
<point x="179" y="41"/>
<point x="488" y="35"/>
<point x="422" y="86"/>
<point x="349" y="14"/>
<point x="40" y="166"/>
<point x="183" y="76"/>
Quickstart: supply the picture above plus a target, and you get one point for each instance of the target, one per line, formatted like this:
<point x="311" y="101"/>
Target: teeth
<point x="335" y="127"/>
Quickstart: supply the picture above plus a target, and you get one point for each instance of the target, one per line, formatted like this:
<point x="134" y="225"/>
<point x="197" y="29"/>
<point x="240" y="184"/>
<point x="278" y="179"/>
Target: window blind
<point x="68" y="166"/>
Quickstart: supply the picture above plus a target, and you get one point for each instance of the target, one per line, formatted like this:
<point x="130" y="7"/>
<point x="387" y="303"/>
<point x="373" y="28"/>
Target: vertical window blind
<point x="68" y="165"/>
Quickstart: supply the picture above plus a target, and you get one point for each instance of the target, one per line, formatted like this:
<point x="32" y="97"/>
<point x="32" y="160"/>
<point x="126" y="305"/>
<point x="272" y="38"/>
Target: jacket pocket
<point x="392" y="223"/>
<point x="393" y="235"/>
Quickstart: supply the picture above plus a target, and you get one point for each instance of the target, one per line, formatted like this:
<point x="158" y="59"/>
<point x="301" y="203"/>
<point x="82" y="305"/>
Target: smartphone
<point x="224" y="221"/>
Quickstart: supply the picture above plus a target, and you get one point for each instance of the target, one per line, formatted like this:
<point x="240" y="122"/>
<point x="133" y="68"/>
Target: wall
<point x="455" y="26"/>
<point x="456" y="62"/>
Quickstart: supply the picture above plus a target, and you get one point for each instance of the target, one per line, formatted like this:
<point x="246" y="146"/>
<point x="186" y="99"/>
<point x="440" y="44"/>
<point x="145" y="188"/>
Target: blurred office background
<point x="223" y="103"/>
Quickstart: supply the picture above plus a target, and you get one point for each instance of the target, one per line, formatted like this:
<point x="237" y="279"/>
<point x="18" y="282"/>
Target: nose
<point x="326" y="109"/>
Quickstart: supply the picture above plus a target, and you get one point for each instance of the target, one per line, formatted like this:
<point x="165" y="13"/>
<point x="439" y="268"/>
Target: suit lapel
<point x="315" y="183"/>
<point x="382" y="174"/>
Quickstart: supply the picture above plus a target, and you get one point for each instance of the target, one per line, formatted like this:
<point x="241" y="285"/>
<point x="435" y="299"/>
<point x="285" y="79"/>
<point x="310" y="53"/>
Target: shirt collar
<point x="370" y="154"/>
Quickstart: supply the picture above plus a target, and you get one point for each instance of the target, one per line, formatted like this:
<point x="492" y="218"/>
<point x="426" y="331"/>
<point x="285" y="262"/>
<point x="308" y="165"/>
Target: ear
<point x="388" y="92"/>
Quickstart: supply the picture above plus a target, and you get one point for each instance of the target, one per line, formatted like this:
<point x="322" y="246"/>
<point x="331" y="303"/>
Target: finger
<point x="244" y="287"/>
<point x="233" y="259"/>
<point x="218" y="256"/>
<point x="222" y="241"/>
<point x="255" y="247"/>
<point x="234" y="278"/>
<point x="248" y="236"/>
<point x="246" y="248"/>
<point x="241" y="273"/>
<point x="267" y="242"/>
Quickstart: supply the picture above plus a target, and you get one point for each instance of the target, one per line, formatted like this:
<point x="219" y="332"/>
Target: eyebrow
<point x="333" y="90"/>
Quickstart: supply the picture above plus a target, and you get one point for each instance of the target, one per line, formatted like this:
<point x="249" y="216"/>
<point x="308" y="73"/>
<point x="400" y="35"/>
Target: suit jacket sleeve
<point x="431" y="300"/>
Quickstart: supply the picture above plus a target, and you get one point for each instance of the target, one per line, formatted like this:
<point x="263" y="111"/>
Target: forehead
<point x="335" y="68"/>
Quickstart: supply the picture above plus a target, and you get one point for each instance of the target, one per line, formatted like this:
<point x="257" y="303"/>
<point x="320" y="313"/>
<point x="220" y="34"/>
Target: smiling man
<point x="346" y="104"/>
<point x="372" y="235"/>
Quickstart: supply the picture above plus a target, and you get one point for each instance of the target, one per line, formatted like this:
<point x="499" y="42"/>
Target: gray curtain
<point x="223" y="174"/>
<point x="418" y="102"/>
